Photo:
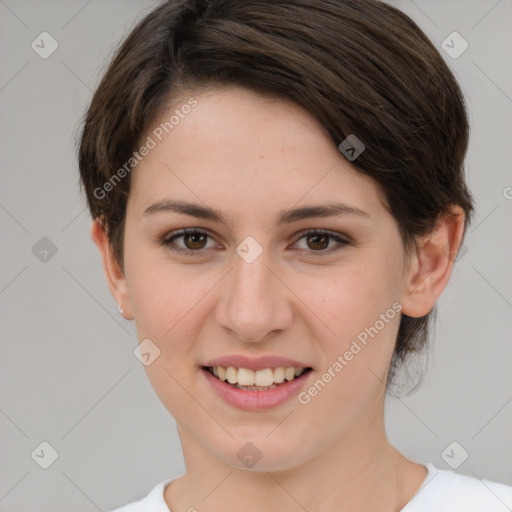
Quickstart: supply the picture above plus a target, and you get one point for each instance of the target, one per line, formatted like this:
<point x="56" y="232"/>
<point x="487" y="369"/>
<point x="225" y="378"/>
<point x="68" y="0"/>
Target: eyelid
<point x="339" y="238"/>
<point x="166" y="239"/>
<point x="321" y="231"/>
<point x="341" y="241"/>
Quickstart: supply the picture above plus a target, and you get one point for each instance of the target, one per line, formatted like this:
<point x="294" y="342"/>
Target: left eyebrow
<point x="284" y="217"/>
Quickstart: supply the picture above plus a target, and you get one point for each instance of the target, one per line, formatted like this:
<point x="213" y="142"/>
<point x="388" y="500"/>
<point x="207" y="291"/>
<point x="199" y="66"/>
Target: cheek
<point x="162" y="304"/>
<point x="348" y="299"/>
<point x="164" y="296"/>
<point x="356" y="359"/>
<point x="359" y="324"/>
<point x="166" y="305"/>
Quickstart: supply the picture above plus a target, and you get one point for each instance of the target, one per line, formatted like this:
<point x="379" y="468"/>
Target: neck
<point x="361" y="471"/>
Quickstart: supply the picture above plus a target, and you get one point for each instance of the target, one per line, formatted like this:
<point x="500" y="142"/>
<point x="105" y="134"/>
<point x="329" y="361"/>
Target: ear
<point x="116" y="280"/>
<point x="431" y="267"/>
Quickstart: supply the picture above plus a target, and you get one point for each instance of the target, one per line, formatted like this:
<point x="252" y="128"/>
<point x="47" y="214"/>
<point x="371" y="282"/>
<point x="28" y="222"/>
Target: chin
<point x="262" y="453"/>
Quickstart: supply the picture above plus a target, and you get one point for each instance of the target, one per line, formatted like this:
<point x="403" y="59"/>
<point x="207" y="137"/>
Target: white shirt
<point x="441" y="491"/>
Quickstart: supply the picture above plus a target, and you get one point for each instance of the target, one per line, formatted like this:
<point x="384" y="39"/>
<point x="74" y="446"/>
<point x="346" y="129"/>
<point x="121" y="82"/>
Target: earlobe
<point x="116" y="280"/>
<point x="431" y="267"/>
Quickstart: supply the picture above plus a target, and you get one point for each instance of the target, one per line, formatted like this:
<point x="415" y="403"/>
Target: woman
<point x="278" y="196"/>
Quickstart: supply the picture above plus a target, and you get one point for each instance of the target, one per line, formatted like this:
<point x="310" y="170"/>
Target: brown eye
<point x="194" y="241"/>
<point x="317" y="242"/>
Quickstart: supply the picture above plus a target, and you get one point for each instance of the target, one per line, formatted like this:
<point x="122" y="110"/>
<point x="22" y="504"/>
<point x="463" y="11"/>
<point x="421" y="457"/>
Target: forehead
<point x="254" y="153"/>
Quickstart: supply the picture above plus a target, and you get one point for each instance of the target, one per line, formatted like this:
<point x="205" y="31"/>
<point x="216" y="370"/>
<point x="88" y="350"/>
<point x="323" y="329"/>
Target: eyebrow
<point x="284" y="217"/>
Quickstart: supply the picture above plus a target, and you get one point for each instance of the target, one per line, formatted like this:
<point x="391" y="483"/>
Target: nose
<point x="254" y="301"/>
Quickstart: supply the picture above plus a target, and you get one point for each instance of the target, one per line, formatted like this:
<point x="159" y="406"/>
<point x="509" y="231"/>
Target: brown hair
<point x="359" y="66"/>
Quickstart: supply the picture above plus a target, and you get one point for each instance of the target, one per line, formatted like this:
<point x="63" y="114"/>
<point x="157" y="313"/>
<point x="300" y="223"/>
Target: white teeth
<point x="232" y="375"/>
<point x="279" y="375"/>
<point x="289" y="373"/>
<point x="259" y="378"/>
<point x="246" y="377"/>
<point x="263" y="377"/>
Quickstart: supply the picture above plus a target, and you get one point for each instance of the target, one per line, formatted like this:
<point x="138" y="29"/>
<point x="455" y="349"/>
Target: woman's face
<point x="255" y="286"/>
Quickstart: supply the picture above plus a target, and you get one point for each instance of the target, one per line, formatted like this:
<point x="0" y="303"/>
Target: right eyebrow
<point x="284" y="217"/>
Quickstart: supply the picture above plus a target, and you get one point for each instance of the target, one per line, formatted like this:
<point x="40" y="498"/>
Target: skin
<point x="251" y="156"/>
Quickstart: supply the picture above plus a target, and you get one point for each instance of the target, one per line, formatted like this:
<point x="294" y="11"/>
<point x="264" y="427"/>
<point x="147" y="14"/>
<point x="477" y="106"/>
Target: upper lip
<point x="255" y="363"/>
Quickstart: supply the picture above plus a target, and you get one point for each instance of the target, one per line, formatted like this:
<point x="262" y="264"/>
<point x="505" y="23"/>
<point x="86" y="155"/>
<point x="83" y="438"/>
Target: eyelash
<point x="166" y="241"/>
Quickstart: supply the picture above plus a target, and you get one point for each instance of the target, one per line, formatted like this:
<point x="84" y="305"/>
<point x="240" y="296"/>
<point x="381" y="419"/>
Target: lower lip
<point x="257" y="400"/>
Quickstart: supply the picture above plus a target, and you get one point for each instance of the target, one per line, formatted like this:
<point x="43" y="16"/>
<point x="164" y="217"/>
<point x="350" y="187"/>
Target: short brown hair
<point x="358" y="66"/>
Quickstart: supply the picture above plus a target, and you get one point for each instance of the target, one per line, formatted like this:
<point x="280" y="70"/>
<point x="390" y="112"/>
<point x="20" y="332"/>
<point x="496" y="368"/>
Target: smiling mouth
<point x="259" y="380"/>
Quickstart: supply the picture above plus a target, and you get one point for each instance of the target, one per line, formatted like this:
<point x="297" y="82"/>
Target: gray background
<point x="68" y="375"/>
